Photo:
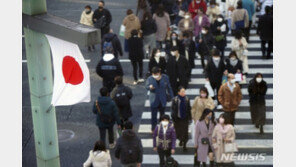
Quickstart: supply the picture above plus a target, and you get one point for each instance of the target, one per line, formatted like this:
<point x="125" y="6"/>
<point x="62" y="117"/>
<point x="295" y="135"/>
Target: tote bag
<point x="230" y="147"/>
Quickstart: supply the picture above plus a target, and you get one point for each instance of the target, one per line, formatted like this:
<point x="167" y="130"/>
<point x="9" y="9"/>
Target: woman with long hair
<point x="99" y="156"/>
<point x="148" y="27"/>
<point x="157" y="60"/>
<point x="142" y="7"/>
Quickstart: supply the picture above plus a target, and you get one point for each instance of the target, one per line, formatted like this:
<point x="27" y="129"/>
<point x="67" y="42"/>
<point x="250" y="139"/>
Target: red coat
<point x="194" y="7"/>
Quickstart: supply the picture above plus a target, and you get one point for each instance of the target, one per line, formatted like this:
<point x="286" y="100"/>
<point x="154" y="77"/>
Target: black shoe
<point x="89" y="49"/>
<point x="261" y="130"/>
<point x="257" y="126"/>
<point x="184" y="147"/>
<point x="181" y="143"/>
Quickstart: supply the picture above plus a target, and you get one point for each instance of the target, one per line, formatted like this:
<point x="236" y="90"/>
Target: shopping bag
<point x="230" y="147"/>
<point x="210" y="89"/>
<point x="224" y="79"/>
<point x="238" y="77"/>
<point x="122" y="30"/>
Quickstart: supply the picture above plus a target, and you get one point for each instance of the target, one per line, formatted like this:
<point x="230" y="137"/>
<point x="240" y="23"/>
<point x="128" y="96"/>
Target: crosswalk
<point x="247" y="136"/>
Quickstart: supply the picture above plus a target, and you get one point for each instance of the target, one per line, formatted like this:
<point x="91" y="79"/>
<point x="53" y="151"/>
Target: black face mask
<point x="101" y="8"/>
<point x="88" y="12"/>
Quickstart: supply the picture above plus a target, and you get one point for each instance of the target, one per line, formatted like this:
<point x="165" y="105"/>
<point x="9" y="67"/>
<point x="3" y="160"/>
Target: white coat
<point x="86" y="19"/>
<point x="98" y="159"/>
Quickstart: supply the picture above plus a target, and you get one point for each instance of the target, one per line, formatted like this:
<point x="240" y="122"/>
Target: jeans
<point x="263" y="47"/>
<point x="154" y="115"/>
<point x="103" y="134"/>
<point x="163" y="154"/>
<point x="130" y="165"/>
<point x="135" y="65"/>
<point x="231" y="115"/>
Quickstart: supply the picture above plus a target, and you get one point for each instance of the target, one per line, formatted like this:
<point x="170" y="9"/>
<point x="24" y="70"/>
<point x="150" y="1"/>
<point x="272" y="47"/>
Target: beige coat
<point x="238" y="15"/>
<point x="131" y="22"/>
<point x="199" y="105"/>
<point x="217" y="136"/>
<point x="213" y="13"/>
<point x="86" y="19"/>
<point x="228" y="4"/>
<point x="240" y="51"/>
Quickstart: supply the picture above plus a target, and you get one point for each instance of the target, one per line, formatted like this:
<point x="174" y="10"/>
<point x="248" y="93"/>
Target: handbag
<point x="103" y="117"/>
<point x="122" y="30"/>
<point x="205" y="140"/>
<point x="230" y="147"/>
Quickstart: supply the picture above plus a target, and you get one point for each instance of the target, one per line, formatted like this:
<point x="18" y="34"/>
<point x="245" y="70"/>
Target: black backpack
<point x="130" y="152"/>
<point x="121" y="98"/>
<point x="171" y="162"/>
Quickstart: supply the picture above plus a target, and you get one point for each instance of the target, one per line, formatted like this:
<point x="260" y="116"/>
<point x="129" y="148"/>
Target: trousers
<point x="110" y="134"/>
<point x="135" y="65"/>
<point x="154" y="115"/>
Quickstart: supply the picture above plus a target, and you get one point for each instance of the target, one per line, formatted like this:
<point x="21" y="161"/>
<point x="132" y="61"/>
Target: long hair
<point x="204" y="89"/>
<point x="258" y="86"/>
<point x="205" y="113"/>
<point x="154" y="52"/>
<point x="160" y="11"/>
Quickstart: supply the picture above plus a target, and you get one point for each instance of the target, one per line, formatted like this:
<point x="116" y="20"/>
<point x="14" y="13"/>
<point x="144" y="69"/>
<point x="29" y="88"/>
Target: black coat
<point x="108" y="70"/>
<point x="169" y="45"/>
<point x="115" y="43"/>
<point x="175" y="108"/>
<point x="221" y="44"/>
<point x="257" y="92"/>
<point x="178" y="69"/>
<point x="161" y="64"/>
<point x="265" y="27"/>
<point x="213" y="73"/>
<point x="125" y="111"/>
<point x="105" y="12"/>
<point x="207" y="43"/>
<point x="135" y="47"/>
<point x="148" y="27"/>
<point x="233" y="69"/>
<point x="190" y="47"/>
<point x="129" y="148"/>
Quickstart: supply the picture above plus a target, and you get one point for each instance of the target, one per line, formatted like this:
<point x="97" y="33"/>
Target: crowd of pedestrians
<point x="172" y="34"/>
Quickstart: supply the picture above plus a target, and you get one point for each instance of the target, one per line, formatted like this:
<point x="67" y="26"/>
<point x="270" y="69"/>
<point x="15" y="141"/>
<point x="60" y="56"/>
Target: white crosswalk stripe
<point x="248" y="138"/>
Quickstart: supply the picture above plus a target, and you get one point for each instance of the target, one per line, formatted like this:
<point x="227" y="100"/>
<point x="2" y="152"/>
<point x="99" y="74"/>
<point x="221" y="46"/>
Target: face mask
<point x="203" y="95"/>
<point x="174" y="37"/>
<point x="100" y="7"/>
<point x="155" y="76"/>
<point x="209" y="117"/>
<point x="162" y="54"/>
<point x="157" y="54"/>
<point x="219" y="19"/>
<point x="164" y="123"/>
<point x="221" y="120"/>
<point x="232" y="81"/>
<point x="197" y="2"/>
<point x="232" y="58"/>
<point x="216" y="58"/>
<point x="203" y="31"/>
<point x="186" y="17"/>
<point x="259" y="80"/>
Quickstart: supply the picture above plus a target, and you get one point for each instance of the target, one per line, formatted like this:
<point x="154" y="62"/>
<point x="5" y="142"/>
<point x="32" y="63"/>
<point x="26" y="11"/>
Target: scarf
<point x="182" y="107"/>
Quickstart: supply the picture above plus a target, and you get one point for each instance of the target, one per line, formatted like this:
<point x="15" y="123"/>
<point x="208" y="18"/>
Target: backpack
<point x="121" y="98"/>
<point x="171" y="162"/>
<point x="130" y="152"/>
<point x="107" y="46"/>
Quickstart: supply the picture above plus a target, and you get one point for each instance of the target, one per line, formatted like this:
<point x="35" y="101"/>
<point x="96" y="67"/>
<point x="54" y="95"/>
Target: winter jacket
<point x="199" y="105"/>
<point x="207" y="43"/>
<point x="237" y="48"/>
<point x="148" y="27"/>
<point x="194" y="6"/>
<point x="250" y="7"/>
<point x="165" y="141"/>
<point x="98" y="159"/>
<point x="169" y="5"/>
<point x="213" y="73"/>
<point x="220" y="44"/>
<point x="86" y="19"/>
<point x="131" y="22"/>
<point x="265" y="27"/>
<point x="135" y="47"/>
<point x="230" y="4"/>
<point x="124" y="111"/>
<point x="213" y="13"/>
<point x="169" y="44"/>
<point x="176" y="108"/>
<point x="115" y="43"/>
<point x="98" y="14"/>
<point x="161" y="64"/>
<point x="239" y="15"/>
<point x="198" y="27"/>
<point x="188" y="50"/>
<point x="257" y="92"/>
<point x="162" y="24"/>
<point x="186" y="24"/>
<point x="107" y="107"/>
<point x="129" y="148"/>
<point x="230" y="101"/>
<point x="177" y="8"/>
<point x="233" y="69"/>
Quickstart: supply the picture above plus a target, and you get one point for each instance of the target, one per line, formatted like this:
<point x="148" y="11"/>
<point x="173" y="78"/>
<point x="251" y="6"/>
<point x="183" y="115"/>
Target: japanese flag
<point x="71" y="75"/>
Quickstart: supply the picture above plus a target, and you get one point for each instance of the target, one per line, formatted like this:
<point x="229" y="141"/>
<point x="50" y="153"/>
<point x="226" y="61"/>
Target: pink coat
<point x="201" y="131"/>
<point x="197" y="27"/>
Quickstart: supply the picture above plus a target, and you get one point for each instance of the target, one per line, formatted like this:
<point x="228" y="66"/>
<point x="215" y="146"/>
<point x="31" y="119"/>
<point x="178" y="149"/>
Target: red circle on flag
<point x="72" y="71"/>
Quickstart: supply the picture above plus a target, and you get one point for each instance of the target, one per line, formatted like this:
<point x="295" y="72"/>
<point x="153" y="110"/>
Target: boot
<point x="197" y="164"/>
<point x="212" y="163"/>
<point x="261" y="130"/>
<point x="181" y="143"/>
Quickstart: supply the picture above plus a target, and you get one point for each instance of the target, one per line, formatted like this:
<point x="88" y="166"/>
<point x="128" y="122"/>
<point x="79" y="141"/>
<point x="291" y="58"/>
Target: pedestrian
<point x="265" y="30"/>
<point x="223" y="133"/>
<point x="178" y="70"/>
<point x="108" y="68"/>
<point x="200" y="103"/>
<point x="257" y="91"/>
<point x="240" y="19"/>
<point x="163" y="23"/>
<point x="214" y="72"/>
<point x="131" y="22"/>
<point x="265" y="3"/>
<point x="170" y="6"/>
<point x="102" y="18"/>
<point x="154" y="5"/>
<point x="99" y="156"/>
<point x="111" y="41"/>
<point x="205" y="44"/>
<point x="160" y="92"/>
<point x="220" y="30"/>
<point x="149" y="28"/>
<point x="200" y="20"/>
<point x="157" y="60"/>
<point x="136" y="55"/>
<point x="129" y="147"/>
<point x="86" y="19"/>
<point x="186" y="24"/>
<point x="181" y="116"/>
<point x="195" y="5"/>
<point x="249" y="5"/>
<point x="239" y="45"/>
<point x="230" y="96"/>
<point x="122" y="95"/>
<point x="164" y="139"/>
<point x="233" y="64"/>
<point x="203" y="137"/>
<point x="181" y="9"/>
<point x="213" y="11"/>
<point x="188" y="50"/>
<point x="107" y="114"/>
<point x="230" y="6"/>
<point x="173" y="41"/>
<point x="142" y="7"/>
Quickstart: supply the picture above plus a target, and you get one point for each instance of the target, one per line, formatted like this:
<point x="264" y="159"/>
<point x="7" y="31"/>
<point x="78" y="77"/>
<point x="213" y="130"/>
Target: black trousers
<point x="217" y="87"/>
<point x="163" y="155"/>
<point x="231" y="115"/>
<point x="110" y="134"/>
<point x="109" y="83"/>
<point x="263" y="47"/>
<point x="135" y="65"/>
<point x="230" y="164"/>
<point x="203" y="57"/>
<point x="247" y="32"/>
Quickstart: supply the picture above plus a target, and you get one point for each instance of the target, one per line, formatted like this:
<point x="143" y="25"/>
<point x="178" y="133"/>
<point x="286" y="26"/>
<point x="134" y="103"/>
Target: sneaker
<point x="141" y="80"/>
<point x="111" y="146"/>
<point x="219" y="107"/>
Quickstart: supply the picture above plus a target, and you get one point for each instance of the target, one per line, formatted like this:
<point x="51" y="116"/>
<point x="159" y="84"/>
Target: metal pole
<point x="41" y="85"/>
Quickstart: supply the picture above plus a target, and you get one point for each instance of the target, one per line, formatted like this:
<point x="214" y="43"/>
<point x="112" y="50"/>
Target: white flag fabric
<point x="71" y="75"/>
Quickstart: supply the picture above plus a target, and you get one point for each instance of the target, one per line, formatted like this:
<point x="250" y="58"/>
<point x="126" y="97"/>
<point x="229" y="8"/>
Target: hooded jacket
<point x="131" y="22"/>
<point x="115" y="43"/>
<point x="129" y="148"/>
<point x="109" y="67"/>
<point x="98" y="159"/>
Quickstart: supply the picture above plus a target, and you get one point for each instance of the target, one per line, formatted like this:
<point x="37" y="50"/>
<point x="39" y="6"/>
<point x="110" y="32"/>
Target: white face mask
<point x="259" y="80"/>
<point x="219" y="19"/>
<point x="203" y="95"/>
<point x="164" y="123"/>
<point x="203" y="31"/>
<point x="216" y="58"/>
<point x="221" y="120"/>
<point x="186" y="16"/>
<point x="162" y="54"/>
<point x="155" y="76"/>
<point x="232" y="81"/>
<point x="173" y="53"/>
<point x="157" y="54"/>
<point x="232" y="58"/>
